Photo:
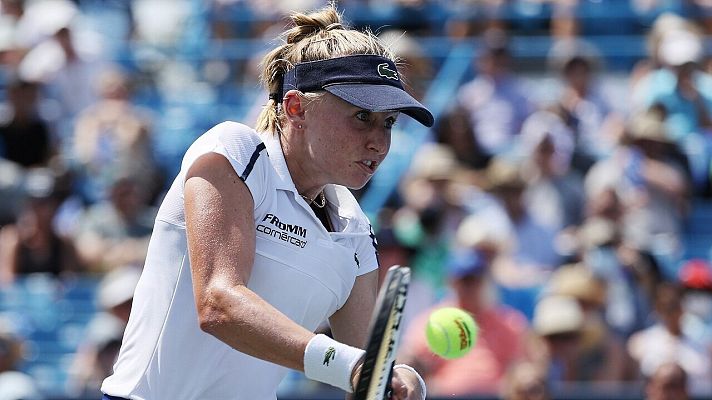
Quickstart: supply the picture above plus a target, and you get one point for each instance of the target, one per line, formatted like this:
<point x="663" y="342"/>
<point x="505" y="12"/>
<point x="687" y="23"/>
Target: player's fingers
<point x="399" y="390"/>
<point x="356" y="374"/>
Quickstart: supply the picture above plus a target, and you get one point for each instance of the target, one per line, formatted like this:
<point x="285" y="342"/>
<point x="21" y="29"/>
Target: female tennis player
<point x="259" y="240"/>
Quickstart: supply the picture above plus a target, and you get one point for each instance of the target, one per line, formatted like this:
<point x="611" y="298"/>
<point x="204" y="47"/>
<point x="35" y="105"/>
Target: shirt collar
<point x="276" y="156"/>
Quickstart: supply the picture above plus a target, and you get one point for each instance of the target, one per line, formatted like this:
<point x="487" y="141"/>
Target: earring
<point x="299" y="126"/>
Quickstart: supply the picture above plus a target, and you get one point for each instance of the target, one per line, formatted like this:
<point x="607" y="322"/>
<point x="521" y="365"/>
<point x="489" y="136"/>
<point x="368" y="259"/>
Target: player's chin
<point x="357" y="183"/>
<point x="355" y="178"/>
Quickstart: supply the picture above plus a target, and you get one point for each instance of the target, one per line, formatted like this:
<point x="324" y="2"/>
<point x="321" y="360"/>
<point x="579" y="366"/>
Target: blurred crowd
<point x="560" y="221"/>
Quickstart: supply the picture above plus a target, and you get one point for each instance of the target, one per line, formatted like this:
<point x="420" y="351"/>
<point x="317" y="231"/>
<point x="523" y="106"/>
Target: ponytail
<point x="320" y="35"/>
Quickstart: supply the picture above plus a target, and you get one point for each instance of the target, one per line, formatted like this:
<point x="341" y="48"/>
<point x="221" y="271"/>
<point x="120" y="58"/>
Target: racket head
<point x="384" y="335"/>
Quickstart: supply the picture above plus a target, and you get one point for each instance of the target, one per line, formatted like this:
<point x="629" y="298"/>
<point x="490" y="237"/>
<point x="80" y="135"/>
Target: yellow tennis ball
<point x="451" y="332"/>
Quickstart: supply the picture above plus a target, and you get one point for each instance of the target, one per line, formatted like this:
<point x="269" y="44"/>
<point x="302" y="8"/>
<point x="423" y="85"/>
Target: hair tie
<point x="334" y="25"/>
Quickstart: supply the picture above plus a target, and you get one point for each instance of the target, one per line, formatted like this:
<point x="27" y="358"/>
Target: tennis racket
<point x="384" y="333"/>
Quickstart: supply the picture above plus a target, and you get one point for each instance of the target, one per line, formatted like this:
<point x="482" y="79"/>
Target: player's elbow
<point x="213" y="311"/>
<point x="211" y="319"/>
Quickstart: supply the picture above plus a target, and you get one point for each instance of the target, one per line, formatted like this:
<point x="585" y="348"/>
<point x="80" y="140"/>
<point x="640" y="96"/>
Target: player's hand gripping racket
<point x="384" y="333"/>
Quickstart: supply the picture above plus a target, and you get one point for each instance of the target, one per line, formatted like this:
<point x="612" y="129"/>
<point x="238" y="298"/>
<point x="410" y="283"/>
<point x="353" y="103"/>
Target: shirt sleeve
<point x="248" y="156"/>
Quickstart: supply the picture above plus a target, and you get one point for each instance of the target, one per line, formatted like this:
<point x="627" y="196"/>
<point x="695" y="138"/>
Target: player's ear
<point x="293" y="106"/>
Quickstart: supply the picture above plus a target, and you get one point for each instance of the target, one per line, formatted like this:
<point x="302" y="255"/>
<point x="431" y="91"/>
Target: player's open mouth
<point x="369" y="165"/>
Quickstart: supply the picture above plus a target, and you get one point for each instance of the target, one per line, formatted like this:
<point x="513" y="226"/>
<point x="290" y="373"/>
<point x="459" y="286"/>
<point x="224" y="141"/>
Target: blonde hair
<point x="320" y="35"/>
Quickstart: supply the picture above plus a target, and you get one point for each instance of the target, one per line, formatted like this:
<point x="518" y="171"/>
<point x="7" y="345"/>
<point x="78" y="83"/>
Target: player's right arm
<point x="219" y="212"/>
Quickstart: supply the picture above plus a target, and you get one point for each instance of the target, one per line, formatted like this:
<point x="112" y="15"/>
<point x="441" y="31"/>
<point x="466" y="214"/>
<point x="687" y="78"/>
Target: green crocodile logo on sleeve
<point x="329" y="355"/>
<point x="386" y="72"/>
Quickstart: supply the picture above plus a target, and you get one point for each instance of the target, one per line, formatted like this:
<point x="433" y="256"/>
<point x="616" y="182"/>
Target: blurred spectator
<point x="31" y="245"/>
<point x="707" y="65"/>
<point x="116" y="231"/>
<point x="533" y="255"/>
<point x="433" y="168"/>
<point x="525" y="381"/>
<point x="670" y="340"/>
<point x="600" y="354"/>
<point x="11" y="50"/>
<point x="489" y="231"/>
<point x="111" y="133"/>
<point x="603" y="200"/>
<point x="564" y="21"/>
<point x="500" y="344"/>
<point x="495" y="100"/>
<point x="98" y="351"/>
<point x="11" y="181"/>
<point x="580" y="105"/>
<point x="165" y="31"/>
<point x="663" y="24"/>
<point x="24" y="136"/>
<point x="669" y="382"/>
<point x="684" y="92"/>
<point x="651" y="183"/>
<point x="554" y="193"/>
<point x="64" y="58"/>
<point x="430" y="213"/>
<point x="631" y="275"/>
<point x="41" y="19"/>
<point x="391" y="251"/>
<point x="558" y="323"/>
<point x="12" y="9"/>
<point x="643" y="69"/>
<point x="454" y="129"/>
<point x="695" y="276"/>
<point x="14" y="385"/>
<point x="703" y="11"/>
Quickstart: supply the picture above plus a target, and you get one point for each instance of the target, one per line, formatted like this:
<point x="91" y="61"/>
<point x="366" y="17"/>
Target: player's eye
<point x="390" y="121"/>
<point x="363" y="115"/>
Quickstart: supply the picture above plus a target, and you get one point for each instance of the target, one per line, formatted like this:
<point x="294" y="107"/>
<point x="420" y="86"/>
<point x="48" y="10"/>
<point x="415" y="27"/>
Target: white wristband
<point x="329" y="361"/>
<point x="420" y="379"/>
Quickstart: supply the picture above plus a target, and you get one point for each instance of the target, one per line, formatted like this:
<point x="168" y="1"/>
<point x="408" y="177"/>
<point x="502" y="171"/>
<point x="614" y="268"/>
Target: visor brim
<point x="380" y="98"/>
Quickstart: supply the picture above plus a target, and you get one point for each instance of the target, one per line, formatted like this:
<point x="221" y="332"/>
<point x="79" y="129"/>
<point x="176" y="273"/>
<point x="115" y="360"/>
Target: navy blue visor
<point x="367" y="81"/>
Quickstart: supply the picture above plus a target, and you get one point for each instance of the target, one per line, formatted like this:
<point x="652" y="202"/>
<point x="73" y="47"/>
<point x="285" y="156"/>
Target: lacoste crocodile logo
<point x="329" y="355"/>
<point x="386" y="72"/>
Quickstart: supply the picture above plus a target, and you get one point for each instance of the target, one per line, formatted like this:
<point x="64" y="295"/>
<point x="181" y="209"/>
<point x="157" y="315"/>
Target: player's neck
<point x="305" y="180"/>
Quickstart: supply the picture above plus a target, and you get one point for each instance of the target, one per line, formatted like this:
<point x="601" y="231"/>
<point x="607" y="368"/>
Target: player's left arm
<point x="350" y="325"/>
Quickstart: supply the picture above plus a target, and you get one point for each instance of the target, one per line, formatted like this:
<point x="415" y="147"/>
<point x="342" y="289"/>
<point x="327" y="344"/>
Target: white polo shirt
<point x="300" y="268"/>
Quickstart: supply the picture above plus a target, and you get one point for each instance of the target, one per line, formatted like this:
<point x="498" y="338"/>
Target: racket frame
<point x="384" y="336"/>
